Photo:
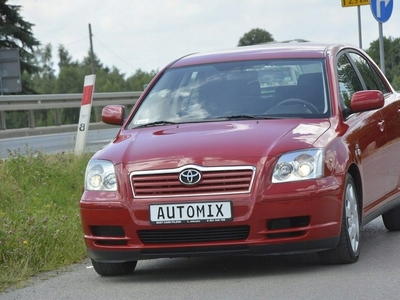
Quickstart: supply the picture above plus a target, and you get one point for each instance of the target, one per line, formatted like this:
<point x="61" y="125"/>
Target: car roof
<point x="261" y="51"/>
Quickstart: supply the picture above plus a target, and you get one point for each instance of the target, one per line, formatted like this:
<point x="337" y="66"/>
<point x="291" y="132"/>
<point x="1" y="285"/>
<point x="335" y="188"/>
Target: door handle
<point x="381" y="125"/>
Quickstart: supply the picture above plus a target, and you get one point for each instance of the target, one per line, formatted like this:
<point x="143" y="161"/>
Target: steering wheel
<point x="307" y="104"/>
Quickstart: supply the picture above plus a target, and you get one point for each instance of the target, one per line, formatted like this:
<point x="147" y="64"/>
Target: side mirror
<point x="113" y="114"/>
<point x="366" y="100"/>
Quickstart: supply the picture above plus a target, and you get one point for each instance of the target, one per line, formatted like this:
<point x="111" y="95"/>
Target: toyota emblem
<point x="189" y="176"/>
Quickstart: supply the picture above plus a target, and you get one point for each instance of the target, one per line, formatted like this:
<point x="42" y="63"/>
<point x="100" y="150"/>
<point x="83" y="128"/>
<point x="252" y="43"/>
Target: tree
<point x="65" y="58"/>
<point x="43" y="82"/>
<point x="70" y="80"/>
<point x="16" y="33"/>
<point x="112" y="81"/>
<point x="255" y="36"/>
<point x="139" y="80"/>
<point x="396" y="82"/>
<point x="392" y="58"/>
<point x="87" y="61"/>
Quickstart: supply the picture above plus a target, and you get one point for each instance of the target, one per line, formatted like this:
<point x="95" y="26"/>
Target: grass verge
<point x="40" y="227"/>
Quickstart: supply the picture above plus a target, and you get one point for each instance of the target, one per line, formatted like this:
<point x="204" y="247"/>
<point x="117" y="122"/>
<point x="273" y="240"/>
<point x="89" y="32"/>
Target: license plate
<point x="178" y="213"/>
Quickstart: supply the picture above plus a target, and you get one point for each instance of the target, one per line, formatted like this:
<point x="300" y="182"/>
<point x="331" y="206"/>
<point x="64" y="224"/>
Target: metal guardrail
<point x="58" y="101"/>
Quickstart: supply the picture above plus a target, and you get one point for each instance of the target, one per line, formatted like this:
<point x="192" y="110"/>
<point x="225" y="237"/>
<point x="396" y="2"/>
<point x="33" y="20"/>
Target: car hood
<point x="212" y="143"/>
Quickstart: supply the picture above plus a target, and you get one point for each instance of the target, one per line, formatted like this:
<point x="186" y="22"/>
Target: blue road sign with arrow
<point x="382" y="9"/>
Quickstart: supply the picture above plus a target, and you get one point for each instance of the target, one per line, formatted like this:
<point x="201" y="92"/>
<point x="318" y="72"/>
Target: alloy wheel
<point x="352" y="219"/>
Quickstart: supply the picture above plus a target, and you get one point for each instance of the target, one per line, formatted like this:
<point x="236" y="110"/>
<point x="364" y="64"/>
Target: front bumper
<point x="111" y="256"/>
<point x="303" y="218"/>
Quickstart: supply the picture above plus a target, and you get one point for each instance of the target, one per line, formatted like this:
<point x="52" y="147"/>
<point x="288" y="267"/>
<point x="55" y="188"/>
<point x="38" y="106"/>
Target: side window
<point x="371" y="78"/>
<point x="349" y="82"/>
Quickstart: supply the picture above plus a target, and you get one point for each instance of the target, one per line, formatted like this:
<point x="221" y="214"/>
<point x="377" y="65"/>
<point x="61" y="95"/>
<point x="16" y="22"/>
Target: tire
<point x="113" y="269"/>
<point x="348" y="249"/>
<point x="391" y="219"/>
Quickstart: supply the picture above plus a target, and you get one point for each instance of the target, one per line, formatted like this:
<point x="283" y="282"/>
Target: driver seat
<point x="310" y="88"/>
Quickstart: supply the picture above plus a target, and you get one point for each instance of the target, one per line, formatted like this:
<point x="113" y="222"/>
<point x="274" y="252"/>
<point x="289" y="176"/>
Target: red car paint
<point x="360" y="141"/>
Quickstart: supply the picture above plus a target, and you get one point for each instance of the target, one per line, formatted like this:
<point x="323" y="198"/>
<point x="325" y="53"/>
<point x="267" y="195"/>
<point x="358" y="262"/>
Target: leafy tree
<point x="87" y="61"/>
<point x="139" y="80"/>
<point x="16" y="33"/>
<point x="392" y="58"/>
<point x="255" y="36"/>
<point x="112" y="81"/>
<point x="107" y="81"/>
<point x="70" y="80"/>
<point x="65" y="58"/>
<point x="44" y="82"/>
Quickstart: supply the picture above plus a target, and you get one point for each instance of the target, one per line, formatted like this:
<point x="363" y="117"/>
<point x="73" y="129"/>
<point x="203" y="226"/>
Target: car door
<point x="367" y="135"/>
<point x="372" y="80"/>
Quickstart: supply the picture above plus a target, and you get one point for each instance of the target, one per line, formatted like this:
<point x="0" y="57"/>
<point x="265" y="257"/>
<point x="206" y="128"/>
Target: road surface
<point x="55" y="143"/>
<point x="375" y="276"/>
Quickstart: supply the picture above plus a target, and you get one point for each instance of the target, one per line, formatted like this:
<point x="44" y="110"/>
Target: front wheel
<point x="113" y="269"/>
<point x="348" y="249"/>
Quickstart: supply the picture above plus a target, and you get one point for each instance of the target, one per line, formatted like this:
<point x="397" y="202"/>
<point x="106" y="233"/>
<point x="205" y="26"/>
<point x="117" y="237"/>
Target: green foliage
<point x="40" y="226"/>
<point x="17" y="119"/>
<point x="70" y="79"/>
<point x="97" y="65"/>
<point x="391" y="48"/>
<point x="65" y="58"/>
<point x="109" y="81"/>
<point x="255" y="36"/>
<point x="139" y="80"/>
<point x="396" y="82"/>
<point x="44" y="80"/>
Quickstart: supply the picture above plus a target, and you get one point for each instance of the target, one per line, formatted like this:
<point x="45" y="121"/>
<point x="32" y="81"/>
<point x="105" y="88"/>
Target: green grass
<point x="40" y="227"/>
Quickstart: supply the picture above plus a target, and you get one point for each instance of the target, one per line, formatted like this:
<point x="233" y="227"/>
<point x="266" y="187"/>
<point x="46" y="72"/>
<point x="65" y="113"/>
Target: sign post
<point x="84" y="116"/>
<point x="381" y="10"/>
<point x="347" y="3"/>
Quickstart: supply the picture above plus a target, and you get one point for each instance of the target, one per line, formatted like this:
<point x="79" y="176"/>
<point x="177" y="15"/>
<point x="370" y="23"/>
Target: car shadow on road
<point x="226" y="267"/>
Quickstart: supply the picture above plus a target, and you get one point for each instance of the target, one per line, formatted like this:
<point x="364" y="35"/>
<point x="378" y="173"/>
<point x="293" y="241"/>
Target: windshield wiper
<point x="246" y="117"/>
<point x="156" y="123"/>
<point x="240" y="117"/>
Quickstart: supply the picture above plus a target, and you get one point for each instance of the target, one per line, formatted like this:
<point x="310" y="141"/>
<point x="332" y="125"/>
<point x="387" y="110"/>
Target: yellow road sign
<point x="346" y="3"/>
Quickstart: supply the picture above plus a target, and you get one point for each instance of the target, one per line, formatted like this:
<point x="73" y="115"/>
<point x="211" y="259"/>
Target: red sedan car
<point x="276" y="148"/>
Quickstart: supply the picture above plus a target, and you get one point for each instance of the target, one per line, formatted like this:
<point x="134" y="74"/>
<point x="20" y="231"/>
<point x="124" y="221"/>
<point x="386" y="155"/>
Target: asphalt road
<point x="375" y="276"/>
<point x="55" y="143"/>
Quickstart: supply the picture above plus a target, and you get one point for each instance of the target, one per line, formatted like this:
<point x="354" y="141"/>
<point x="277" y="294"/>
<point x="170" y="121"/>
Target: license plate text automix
<point x="191" y="212"/>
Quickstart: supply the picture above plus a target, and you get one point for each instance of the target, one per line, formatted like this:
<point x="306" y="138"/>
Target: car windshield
<point x="236" y="91"/>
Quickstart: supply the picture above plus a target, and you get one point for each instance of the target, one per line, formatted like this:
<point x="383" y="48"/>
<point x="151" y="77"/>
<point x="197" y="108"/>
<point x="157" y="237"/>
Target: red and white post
<point x="84" y="116"/>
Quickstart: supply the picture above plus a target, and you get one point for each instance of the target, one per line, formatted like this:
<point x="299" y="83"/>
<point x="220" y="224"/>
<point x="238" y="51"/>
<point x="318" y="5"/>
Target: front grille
<point x="165" y="183"/>
<point x="213" y="234"/>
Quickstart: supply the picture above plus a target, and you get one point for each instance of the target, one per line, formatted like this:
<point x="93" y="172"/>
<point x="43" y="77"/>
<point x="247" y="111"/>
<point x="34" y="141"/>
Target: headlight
<point x="299" y="165"/>
<point x="100" y="176"/>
